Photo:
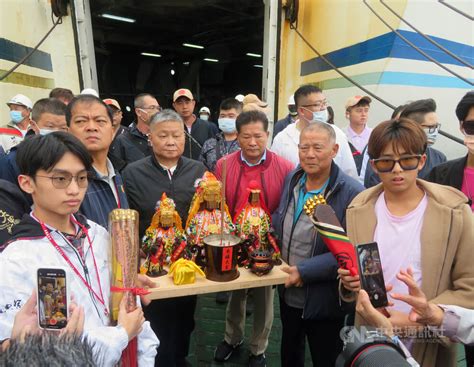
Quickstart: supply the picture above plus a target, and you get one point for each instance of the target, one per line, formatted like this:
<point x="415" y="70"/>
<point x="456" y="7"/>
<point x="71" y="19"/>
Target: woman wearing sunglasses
<point x="417" y="224"/>
<point x="459" y="173"/>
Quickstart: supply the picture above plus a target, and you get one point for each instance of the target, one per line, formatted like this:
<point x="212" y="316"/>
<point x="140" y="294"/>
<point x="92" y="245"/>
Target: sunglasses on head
<point x="467" y="127"/>
<point x="407" y="163"/>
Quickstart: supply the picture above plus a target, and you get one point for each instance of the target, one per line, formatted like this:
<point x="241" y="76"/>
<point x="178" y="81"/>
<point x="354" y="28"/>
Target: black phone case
<point x="373" y="284"/>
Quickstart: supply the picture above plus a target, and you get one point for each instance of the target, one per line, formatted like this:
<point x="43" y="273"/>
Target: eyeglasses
<point x="152" y="108"/>
<point x="317" y="104"/>
<point x="63" y="180"/>
<point x="432" y="129"/>
<point x="408" y="163"/>
<point x="467" y="127"/>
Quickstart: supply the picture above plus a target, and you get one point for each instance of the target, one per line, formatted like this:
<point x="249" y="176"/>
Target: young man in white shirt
<point x="311" y="106"/>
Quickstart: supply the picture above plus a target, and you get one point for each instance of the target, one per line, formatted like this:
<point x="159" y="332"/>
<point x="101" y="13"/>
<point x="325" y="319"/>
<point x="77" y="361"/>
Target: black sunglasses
<point x="408" y="163"/>
<point x="467" y="127"/>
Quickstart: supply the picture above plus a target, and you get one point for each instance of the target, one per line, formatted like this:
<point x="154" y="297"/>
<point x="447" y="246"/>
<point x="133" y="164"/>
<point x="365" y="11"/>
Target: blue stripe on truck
<point x="390" y="45"/>
<point x="14" y="52"/>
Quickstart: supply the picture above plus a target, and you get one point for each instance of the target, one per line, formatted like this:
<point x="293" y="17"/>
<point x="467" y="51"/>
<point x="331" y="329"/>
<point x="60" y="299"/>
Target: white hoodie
<point x="18" y="265"/>
<point x="286" y="143"/>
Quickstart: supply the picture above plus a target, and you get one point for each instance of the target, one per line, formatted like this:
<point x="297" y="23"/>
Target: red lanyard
<point x="73" y="267"/>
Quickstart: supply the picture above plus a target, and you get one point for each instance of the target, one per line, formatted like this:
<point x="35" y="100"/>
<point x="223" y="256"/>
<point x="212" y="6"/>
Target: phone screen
<point x="52" y="298"/>
<point x="371" y="275"/>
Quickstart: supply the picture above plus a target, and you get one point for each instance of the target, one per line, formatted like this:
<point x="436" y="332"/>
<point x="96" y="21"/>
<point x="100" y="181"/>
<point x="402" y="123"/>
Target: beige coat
<point x="447" y="254"/>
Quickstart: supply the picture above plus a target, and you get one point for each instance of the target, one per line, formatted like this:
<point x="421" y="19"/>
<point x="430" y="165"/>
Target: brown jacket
<point x="447" y="254"/>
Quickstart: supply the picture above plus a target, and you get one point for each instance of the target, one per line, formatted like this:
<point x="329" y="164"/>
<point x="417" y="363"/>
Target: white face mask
<point x="204" y="117"/>
<point x="469" y="143"/>
<point x="46" y="131"/>
<point x="227" y="125"/>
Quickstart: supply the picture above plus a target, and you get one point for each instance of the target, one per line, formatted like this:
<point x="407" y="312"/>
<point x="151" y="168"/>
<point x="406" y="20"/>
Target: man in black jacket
<point x="166" y="170"/>
<point x="459" y="173"/>
<point x="197" y="131"/>
<point x="132" y="144"/>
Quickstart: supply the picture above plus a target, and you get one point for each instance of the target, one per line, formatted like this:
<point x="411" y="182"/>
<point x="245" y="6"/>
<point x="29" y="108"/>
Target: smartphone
<point x="53" y="298"/>
<point x="371" y="275"/>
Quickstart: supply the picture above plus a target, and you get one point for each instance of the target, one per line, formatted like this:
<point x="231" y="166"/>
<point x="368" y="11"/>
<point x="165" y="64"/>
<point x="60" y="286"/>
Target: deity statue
<point x="253" y="225"/>
<point x="164" y="241"/>
<point x="204" y="217"/>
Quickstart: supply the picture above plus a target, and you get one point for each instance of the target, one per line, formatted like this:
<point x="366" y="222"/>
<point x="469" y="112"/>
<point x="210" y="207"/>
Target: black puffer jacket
<point x="145" y="181"/>
<point x="200" y="132"/>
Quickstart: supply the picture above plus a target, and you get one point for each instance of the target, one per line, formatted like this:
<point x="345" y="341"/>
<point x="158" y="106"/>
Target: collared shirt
<point x="305" y="195"/>
<point x="169" y="170"/>
<point x="359" y="141"/>
<point x="109" y="178"/>
<point x="261" y="160"/>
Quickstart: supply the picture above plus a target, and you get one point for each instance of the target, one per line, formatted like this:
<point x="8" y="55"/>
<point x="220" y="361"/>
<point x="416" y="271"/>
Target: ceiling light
<point x="186" y="63"/>
<point x="258" y="66"/>
<point x="192" y="45"/>
<point x="115" y="17"/>
<point x="172" y="71"/>
<point x="150" y="54"/>
<point x="253" y="55"/>
<point x="211" y="60"/>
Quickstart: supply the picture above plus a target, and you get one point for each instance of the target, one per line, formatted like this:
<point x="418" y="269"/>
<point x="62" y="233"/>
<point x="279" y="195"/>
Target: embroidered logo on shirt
<point x="7" y="221"/>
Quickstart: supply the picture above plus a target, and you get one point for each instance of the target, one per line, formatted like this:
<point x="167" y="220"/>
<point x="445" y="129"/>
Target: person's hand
<point x="400" y="320"/>
<point x="351" y="283"/>
<point x="75" y="322"/>
<point x="144" y="282"/>
<point x="26" y="320"/>
<point x="422" y="311"/>
<point x="294" y="279"/>
<point x="132" y="322"/>
<point x="371" y="315"/>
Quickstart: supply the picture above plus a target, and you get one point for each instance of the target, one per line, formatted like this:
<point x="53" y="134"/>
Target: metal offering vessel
<point x="221" y="257"/>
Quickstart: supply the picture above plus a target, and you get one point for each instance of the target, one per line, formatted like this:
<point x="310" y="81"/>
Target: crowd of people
<point x="67" y="161"/>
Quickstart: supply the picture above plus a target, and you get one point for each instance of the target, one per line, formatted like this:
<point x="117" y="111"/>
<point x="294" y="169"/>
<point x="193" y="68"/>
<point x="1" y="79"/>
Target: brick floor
<point x="209" y="331"/>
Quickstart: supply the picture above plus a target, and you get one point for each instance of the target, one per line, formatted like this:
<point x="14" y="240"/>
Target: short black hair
<point x="138" y="101"/>
<point x="464" y="105"/>
<point x="417" y="110"/>
<point x="48" y="105"/>
<point x="45" y="151"/>
<point x="251" y="117"/>
<point x="62" y="93"/>
<point x="305" y="90"/>
<point x="229" y="103"/>
<point x="398" y="110"/>
<point x="330" y="115"/>
<point x="87" y="99"/>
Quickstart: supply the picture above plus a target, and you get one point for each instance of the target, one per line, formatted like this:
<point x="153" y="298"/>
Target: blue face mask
<point x="227" y="125"/>
<point x="16" y="117"/>
<point x="431" y="137"/>
<point x="321" y="116"/>
<point x="204" y="117"/>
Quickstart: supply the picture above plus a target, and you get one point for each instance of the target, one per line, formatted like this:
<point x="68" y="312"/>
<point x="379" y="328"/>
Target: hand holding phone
<point x="53" y="298"/>
<point x="371" y="275"/>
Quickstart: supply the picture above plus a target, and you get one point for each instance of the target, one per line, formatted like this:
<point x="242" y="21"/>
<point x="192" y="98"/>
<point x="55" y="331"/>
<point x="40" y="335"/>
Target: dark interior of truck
<point x="212" y="47"/>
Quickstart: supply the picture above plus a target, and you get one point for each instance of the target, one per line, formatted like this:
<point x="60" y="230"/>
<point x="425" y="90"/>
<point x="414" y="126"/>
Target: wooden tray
<point x="167" y="289"/>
